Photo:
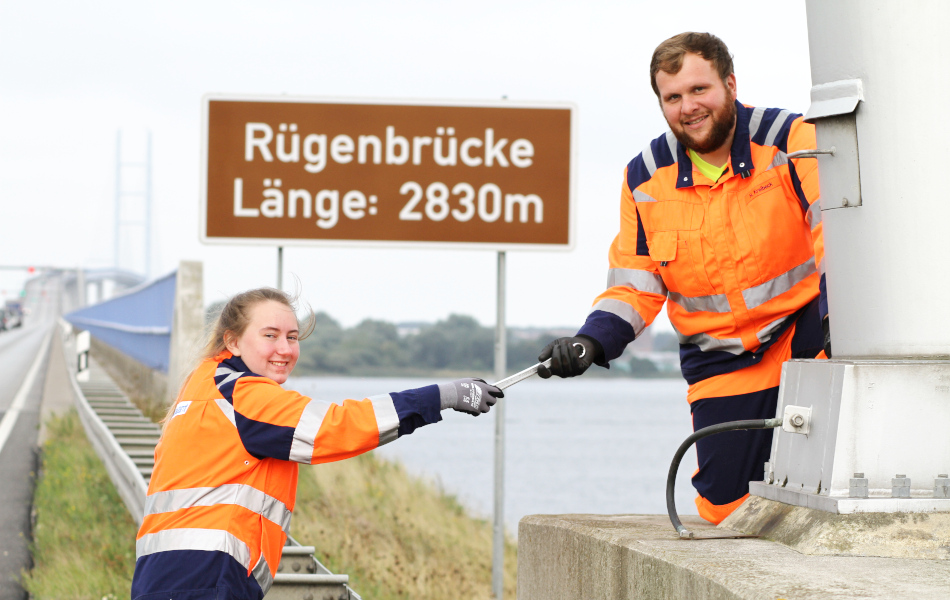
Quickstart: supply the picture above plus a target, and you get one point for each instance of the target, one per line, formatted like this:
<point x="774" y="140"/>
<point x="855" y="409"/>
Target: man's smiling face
<point x="699" y="106"/>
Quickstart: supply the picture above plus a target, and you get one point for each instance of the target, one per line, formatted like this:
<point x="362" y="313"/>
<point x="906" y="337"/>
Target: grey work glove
<point x="472" y="396"/>
<point x="570" y="356"/>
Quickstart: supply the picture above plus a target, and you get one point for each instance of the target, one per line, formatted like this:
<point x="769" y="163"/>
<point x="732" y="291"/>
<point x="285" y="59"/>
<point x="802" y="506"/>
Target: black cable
<point x="692" y="439"/>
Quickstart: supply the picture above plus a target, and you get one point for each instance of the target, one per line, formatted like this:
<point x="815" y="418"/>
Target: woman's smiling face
<point x="269" y="346"/>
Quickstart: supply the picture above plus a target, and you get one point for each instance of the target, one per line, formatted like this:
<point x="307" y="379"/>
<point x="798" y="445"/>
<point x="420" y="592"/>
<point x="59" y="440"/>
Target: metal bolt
<point x="844" y="202"/>
<point x="296" y="566"/>
<point x="900" y="486"/>
<point x="942" y="486"/>
<point x="858" y="487"/>
<point x="797" y="420"/>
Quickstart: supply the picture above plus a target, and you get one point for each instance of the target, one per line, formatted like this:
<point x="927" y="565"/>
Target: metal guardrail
<point x="301" y="575"/>
<point x="125" y="439"/>
<point x="131" y="483"/>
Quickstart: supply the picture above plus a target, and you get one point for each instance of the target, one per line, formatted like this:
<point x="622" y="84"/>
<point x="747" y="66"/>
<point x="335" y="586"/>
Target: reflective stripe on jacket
<point x="736" y="258"/>
<point x="225" y="476"/>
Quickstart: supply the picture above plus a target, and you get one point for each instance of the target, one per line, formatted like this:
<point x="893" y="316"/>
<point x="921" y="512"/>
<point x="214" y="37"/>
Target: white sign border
<point x="296" y="242"/>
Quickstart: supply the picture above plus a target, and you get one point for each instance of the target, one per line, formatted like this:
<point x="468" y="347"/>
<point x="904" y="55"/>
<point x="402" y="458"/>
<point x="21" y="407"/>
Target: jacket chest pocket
<point x="671" y="215"/>
<point x="674" y="240"/>
<point x="659" y="222"/>
<point x="662" y="246"/>
<point x="667" y="221"/>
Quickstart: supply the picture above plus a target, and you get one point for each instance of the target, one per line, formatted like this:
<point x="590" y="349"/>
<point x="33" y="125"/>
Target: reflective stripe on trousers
<point x="210" y="540"/>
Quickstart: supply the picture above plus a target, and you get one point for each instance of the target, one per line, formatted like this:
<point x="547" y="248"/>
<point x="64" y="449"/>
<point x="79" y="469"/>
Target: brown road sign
<point x="287" y="171"/>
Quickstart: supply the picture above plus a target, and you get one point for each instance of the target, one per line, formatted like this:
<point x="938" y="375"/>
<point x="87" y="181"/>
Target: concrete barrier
<point x="146" y="387"/>
<point x="621" y="557"/>
<point x="188" y="326"/>
<point x="167" y="316"/>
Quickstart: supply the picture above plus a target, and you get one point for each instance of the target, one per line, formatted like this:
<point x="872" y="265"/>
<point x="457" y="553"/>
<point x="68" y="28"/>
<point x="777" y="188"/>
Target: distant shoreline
<point x="593" y="373"/>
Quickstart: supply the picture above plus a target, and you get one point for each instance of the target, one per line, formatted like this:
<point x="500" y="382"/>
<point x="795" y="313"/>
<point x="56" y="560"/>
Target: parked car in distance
<point x="12" y="314"/>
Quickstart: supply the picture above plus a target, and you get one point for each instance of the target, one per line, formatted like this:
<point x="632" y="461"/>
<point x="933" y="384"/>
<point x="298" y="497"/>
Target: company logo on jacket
<point x="759" y="190"/>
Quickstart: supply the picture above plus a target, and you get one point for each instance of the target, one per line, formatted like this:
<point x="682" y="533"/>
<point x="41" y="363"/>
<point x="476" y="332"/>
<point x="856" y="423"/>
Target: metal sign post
<point x="501" y="358"/>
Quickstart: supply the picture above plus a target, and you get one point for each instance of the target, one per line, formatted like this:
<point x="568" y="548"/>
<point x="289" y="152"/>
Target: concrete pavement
<point x="58" y="394"/>
<point x="613" y="557"/>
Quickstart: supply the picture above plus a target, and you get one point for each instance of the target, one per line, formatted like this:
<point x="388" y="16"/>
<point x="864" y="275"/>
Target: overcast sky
<point x="73" y="74"/>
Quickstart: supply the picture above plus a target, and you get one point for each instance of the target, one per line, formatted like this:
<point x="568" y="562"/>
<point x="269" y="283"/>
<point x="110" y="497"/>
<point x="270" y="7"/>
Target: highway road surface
<point x="23" y="360"/>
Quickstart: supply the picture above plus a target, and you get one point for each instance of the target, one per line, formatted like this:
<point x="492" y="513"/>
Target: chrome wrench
<point x="530" y="371"/>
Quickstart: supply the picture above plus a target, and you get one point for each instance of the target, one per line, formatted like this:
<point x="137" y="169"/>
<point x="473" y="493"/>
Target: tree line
<point x="457" y="344"/>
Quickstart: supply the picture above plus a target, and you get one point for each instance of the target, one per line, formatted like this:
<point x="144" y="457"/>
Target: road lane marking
<point x="10" y="418"/>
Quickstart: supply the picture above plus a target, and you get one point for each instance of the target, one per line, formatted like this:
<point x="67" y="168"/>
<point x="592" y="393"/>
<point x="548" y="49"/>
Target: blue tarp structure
<point x="137" y="323"/>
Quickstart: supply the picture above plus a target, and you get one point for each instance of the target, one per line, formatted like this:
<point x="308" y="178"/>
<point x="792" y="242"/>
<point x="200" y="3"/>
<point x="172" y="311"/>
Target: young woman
<point x="221" y="496"/>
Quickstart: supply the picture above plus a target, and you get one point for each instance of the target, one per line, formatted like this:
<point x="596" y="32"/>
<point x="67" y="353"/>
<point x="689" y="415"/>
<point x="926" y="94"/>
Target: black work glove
<point x="827" y="331"/>
<point x="472" y="396"/>
<point x="570" y="356"/>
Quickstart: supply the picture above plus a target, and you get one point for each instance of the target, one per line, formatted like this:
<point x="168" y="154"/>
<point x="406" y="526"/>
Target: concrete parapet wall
<point x="146" y="387"/>
<point x="569" y="557"/>
<point x="187" y="325"/>
<point x="176" y="302"/>
<point x="572" y="557"/>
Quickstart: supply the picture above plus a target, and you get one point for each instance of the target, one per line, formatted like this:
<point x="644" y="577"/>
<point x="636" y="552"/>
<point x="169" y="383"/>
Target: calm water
<point x="572" y="446"/>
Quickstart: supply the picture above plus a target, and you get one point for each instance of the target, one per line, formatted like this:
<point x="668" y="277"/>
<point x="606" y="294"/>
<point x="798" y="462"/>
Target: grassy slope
<point x="396" y="536"/>
<point x="84" y="538"/>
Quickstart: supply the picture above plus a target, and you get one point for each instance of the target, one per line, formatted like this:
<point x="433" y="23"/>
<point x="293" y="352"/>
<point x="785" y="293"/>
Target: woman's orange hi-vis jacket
<point x="221" y="495"/>
<point x="736" y="258"/>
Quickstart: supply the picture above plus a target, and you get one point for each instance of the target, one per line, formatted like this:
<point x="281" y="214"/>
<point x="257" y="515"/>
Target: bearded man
<point x="718" y="219"/>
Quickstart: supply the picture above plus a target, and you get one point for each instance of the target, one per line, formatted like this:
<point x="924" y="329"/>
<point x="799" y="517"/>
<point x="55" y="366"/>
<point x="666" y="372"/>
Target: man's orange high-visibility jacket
<point x="221" y="495"/>
<point x="736" y="258"/>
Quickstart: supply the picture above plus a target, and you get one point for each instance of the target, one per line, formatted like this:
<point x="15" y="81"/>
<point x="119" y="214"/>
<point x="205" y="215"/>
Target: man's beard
<point x="723" y="121"/>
